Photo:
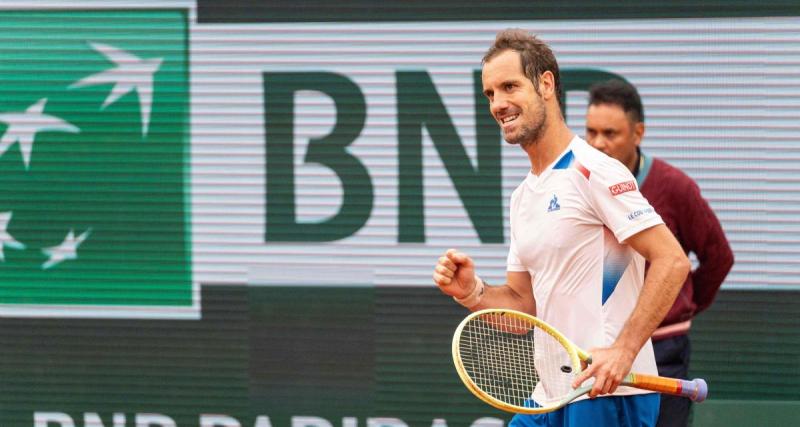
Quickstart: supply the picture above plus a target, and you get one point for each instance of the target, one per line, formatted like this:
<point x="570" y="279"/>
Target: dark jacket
<point x="677" y="198"/>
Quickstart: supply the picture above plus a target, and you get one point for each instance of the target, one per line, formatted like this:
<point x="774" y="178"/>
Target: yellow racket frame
<point x="696" y="389"/>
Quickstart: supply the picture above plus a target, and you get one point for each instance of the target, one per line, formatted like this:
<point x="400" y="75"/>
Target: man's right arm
<point x="454" y="274"/>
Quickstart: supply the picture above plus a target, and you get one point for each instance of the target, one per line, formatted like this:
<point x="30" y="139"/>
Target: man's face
<point x="611" y="131"/>
<point x="513" y="100"/>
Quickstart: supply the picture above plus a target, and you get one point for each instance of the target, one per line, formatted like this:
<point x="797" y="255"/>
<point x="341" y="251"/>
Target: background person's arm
<point x="702" y="233"/>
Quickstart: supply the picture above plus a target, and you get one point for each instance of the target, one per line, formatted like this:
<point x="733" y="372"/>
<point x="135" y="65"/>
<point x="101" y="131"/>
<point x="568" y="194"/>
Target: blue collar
<point x="644" y="168"/>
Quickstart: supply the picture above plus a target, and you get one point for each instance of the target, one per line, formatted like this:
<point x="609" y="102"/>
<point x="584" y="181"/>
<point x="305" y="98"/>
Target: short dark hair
<point x="620" y="93"/>
<point x="535" y="55"/>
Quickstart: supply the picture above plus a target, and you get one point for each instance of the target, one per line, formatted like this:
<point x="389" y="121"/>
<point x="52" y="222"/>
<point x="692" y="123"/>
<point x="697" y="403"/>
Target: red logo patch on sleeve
<point x="622" y="187"/>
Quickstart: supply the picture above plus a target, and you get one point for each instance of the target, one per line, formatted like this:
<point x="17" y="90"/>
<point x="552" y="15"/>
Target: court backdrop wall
<point x="227" y="213"/>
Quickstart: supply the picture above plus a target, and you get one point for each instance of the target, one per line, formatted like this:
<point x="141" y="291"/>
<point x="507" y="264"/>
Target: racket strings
<point x="497" y="354"/>
<point x="508" y="358"/>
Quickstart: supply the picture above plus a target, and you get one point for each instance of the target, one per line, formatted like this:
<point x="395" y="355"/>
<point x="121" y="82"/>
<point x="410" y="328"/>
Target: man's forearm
<point x="505" y="297"/>
<point x="661" y="286"/>
<point x="516" y="294"/>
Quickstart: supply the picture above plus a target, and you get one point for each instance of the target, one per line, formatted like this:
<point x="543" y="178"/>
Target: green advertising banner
<point x="94" y="217"/>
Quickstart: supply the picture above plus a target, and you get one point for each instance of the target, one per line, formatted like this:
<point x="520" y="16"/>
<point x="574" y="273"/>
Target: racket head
<point x="516" y="362"/>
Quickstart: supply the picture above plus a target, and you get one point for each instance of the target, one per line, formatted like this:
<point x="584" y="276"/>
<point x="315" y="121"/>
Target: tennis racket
<point x="518" y="363"/>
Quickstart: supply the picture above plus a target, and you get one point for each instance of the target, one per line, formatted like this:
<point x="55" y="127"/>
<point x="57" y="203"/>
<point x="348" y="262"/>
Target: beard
<point x="529" y="133"/>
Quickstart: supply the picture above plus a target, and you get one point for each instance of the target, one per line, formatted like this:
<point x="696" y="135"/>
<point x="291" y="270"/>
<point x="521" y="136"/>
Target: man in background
<point x="615" y="125"/>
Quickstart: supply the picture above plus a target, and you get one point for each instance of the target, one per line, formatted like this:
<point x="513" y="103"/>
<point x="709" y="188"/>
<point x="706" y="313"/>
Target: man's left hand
<point x="609" y="367"/>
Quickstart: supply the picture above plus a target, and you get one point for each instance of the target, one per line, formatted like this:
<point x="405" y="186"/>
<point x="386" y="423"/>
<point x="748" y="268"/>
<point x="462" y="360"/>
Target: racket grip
<point x="695" y="390"/>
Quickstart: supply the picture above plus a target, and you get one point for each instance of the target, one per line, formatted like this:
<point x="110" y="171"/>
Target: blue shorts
<point x="639" y="410"/>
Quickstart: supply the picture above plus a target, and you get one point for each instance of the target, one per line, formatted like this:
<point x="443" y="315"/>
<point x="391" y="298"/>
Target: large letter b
<point x="330" y="151"/>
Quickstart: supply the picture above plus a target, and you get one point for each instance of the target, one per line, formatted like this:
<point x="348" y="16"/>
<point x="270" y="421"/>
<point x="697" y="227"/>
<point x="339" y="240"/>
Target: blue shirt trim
<point x="565" y="161"/>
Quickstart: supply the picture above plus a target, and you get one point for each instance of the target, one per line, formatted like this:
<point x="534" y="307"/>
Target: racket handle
<point x="695" y="390"/>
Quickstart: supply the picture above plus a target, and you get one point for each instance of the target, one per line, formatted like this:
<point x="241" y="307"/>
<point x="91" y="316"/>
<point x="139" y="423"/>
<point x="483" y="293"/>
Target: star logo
<point x="68" y="249"/>
<point x="131" y="74"/>
<point x="23" y="127"/>
<point x="96" y="223"/>
<point x="5" y="238"/>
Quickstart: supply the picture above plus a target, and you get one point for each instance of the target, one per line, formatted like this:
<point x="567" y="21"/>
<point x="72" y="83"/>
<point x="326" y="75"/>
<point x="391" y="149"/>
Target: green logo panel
<point x="94" y="209"/>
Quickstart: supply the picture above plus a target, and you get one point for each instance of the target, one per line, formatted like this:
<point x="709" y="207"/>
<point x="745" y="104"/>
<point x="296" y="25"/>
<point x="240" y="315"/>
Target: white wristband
<point x="475" y="296"/>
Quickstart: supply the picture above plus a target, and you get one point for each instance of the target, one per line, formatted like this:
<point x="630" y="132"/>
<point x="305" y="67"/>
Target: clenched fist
<point x="454" y="274"/>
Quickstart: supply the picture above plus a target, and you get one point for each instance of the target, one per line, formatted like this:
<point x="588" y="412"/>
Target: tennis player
<point x="615" y="125"/>
<point x="580" y="234"/>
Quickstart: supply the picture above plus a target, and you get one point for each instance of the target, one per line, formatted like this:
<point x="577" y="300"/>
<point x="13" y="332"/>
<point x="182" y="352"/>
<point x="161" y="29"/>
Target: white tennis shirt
<point x="566" y="228"/>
